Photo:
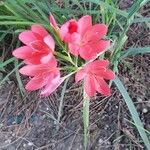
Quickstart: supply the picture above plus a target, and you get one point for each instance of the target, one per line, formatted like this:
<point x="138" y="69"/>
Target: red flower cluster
<point x="83" y="39"/>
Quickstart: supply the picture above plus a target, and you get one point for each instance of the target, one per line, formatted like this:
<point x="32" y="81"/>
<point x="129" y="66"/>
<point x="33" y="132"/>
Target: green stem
<point x="71" y="68"/>
<point x="86" y="103"/>
<point x="71" y="59"/>
<point x="64" y="57"/>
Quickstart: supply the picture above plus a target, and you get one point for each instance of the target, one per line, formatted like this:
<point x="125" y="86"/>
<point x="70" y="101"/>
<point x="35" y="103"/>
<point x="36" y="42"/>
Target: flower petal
<point x="98" y="64"/>
<point x="30" y="70"/>
<point x="99" y="68"/>
<point x="84" y="24"/>
<point x="90" y="51"/>
<point x="50" y="42"/>
<point x="74" y="49"/>
<point x="100" y="46"/>
<point x="65" y="32"/>
<point x="51" y="86"/>
<point x="80" y="75"/>
<point x="96" y="32"/>
<point x="22" y="52"/>
<point x="34" y="59"/>
<point x="53" y="21"/>
<point x="102" y="87"/>
<point x="108" y="74"/>
<point x="27" y="37"/>
<point x="87" y="53"/>
<point x="49" y="60"/>
<point x="35" y="83"/>
<point x="89" y="86"/>
<point x="39" y="47"/>
<point x="39" y="30"/>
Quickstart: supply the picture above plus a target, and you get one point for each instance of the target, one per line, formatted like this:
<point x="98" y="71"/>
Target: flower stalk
<point x="86" y="104"/>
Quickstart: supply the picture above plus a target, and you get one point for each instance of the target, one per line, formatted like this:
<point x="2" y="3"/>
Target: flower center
<point x="39" y="47"/>
<point x="73" y="27"/>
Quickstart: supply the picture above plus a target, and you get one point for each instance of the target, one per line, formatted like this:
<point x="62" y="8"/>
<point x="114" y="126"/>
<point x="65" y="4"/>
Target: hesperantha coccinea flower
<point x="94" y="75"/>
<point x="38" y="43"/>
<point x="45" y="64"/>
<point x="83" y="38"/>
<point x="45" y="75"/>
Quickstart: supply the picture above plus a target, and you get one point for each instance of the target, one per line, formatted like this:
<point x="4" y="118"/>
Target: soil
<point x="30" y="123"/>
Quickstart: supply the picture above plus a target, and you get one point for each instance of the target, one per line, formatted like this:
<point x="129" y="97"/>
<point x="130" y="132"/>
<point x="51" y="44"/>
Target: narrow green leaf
<point x="20" y="84"/>
<point x="39" y="9"/>
<point x="3" y="64"/>
<point x="134" y="51"/>
<point x="4" y="17"/>
<point x="139" y="126"/>
<point x="2" y="36"/>
<point x="141" y="20"/>
<point x="113" y="9"/>
<point x="12" y="71"/>
<point x="16" y="23"/>
<point x="22" y="23"/>
<point x="133" y="112"/>
<point x="61" y="102"/>
<point x="9" y="7"/>
<point x="79" y="5"/>
<point x="135" y="7"/>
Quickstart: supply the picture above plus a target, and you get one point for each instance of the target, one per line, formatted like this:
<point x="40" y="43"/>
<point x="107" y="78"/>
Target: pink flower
<point x="83" y="38"/>
<point x="69" y="30"/>
<point x="94" y="74"/>
<point x="45" y="75"/>
<point x="38" y="44"/>
<point x="53" y="22"/>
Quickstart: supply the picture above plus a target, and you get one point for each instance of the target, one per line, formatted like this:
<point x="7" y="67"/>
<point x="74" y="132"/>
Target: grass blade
<point x="109" y="7"/>
<point x="61" y="102"/>
<point x="141" y="20"/>
<point x="134" y="51"/>
<point x="16" y="23"/>
<point x="133" y="112"/>
<point x="135" y="7"/>
<point x="20" y="84"/>
<point x="12" y="71"/>
<point x="3" y="64"/>
<point x="148" y="132"/>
